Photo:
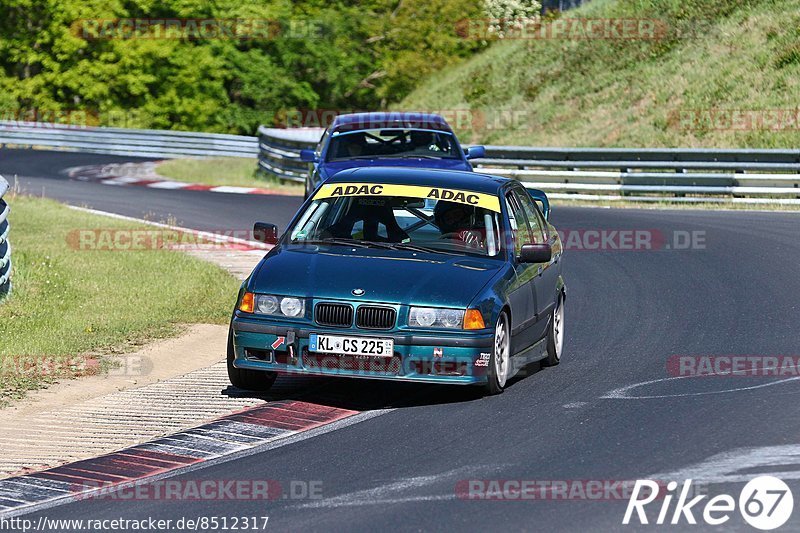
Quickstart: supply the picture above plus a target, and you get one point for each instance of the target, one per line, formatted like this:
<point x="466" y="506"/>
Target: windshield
<point x="465" y="223"/>
<point x="392" y="143"/>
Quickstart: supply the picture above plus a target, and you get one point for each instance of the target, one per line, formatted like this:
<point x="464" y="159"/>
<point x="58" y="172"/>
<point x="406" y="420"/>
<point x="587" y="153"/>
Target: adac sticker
<point x="335" y="190"/>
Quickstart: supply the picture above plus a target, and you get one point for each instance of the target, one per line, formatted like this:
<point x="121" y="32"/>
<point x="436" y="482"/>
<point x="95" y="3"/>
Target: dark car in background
<point x="386" y="139"/>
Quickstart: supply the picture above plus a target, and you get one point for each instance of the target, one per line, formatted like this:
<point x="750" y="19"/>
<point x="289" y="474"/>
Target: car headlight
<point x="292" y="307"/>
<point x="268" y="304"/>
<point x="431" y="317"/>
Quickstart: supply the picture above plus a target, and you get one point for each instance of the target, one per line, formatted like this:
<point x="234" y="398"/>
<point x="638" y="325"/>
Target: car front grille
<point x="369" y="317"/>
<point x="340" y="315"/>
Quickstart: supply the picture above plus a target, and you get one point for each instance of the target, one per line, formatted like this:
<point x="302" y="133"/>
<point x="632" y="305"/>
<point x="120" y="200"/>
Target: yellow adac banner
<point x="335" y="190"/>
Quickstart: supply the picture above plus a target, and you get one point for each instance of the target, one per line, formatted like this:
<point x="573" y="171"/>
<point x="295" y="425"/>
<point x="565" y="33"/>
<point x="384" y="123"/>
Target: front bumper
<point x="456" y="357"/>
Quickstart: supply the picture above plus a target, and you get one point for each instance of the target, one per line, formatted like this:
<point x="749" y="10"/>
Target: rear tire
<point x="252" y="380"/>
<point x="555" y="335"/>
<point x="499" y="363"/>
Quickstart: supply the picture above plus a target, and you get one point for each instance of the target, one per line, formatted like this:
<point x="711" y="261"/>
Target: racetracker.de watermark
<point x="33" y="117"/>
<point x="138" y="240"/>
<point x="173" y="490"/>
<point x="592" y="240"/>
<point x="634" y="240"/>
<point x="554" y="489"/>
<point x="460" y="119"/>
<point x="716" y="119"/>
<point x="47" y="118"/>
<point x="734" y="365"/>
<point x="581" y="29"/>
<point x="197" y="29"/>
<point x="131" y="365"/>
<point x="30" y="365"/>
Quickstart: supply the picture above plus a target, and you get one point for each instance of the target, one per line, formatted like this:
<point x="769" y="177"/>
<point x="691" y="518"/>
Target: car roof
<point x="389" y="119"/>
<point x="450" y="179"/>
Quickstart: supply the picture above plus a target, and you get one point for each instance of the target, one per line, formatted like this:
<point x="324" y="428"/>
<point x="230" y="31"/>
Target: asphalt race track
<point x="611" y="411"/>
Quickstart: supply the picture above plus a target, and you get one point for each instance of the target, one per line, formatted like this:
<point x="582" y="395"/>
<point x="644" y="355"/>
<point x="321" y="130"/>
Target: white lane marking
<point x="726" y="467"/>
<point x="235" y="190"/>
<point x="384" y="501"/>
<point x="168" y="184"/>
<point x="375" y="493"/>
<point x="382" y="494"/>
<point x="574" y="405"/>
<point x="622" y="392"/>
<point x="120" y="180"/>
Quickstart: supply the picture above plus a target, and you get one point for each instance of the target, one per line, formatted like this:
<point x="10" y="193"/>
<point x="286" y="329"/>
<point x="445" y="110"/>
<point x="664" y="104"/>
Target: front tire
<point x="500" y="360"/>
<point x="252" y="380"/>
<point x="555" y="335"/>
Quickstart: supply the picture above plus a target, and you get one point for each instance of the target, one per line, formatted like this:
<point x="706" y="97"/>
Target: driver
<point x="356" y="145"/>
<point x="422" y="141"/>
<point x="455" y="222"/>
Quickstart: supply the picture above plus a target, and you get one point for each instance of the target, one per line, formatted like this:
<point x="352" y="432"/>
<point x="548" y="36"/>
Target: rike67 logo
<point x="765" y="503"/>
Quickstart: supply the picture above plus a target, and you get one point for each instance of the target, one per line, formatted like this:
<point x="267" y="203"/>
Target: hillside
<point x="715" y="62"/>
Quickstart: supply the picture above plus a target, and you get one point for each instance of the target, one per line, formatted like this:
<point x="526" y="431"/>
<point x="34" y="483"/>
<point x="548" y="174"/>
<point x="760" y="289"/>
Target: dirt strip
<point x="165" y="387"/>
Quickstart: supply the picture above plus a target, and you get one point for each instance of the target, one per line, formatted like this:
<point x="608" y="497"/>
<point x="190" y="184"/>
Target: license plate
<point x="351" y="345"/>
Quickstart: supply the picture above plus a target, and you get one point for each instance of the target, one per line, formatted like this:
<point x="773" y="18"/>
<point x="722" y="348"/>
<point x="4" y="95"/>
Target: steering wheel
<point x="471" y="238"/>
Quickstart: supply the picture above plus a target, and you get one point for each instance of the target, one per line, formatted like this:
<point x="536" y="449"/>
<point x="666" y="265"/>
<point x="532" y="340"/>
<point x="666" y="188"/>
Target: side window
<point x="532" y="214"/>
<point x="520" y="232"/>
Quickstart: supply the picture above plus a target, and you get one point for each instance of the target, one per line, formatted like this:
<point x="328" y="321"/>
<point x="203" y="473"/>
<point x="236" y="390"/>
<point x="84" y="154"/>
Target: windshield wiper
<point x="378" y="244"/>
<point x="333" y="240"/>
<point x="423" y="249"/>
<point x="413" y="156"/>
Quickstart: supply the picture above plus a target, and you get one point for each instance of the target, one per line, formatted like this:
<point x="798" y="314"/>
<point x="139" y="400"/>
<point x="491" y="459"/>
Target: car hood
<point x="332" y="167"/>
<point x="390" y="276"/>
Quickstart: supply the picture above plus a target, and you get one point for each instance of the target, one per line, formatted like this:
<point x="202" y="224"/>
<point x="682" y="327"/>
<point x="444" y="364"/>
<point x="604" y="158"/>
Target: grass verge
<point x="232" y="171"/>
<point x="69" y="307"/>
<point x="719" y="59"/>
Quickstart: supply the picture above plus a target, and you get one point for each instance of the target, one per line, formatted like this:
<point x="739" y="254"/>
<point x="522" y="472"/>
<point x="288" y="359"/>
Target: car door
<point x="521" y="295"/>
<point x="544" y="283"/>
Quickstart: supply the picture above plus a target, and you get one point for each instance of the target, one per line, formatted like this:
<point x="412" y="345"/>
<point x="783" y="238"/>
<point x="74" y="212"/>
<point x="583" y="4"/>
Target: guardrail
<point x="120" y="141"/>
<point x="5" y="246"/>
<point x="683" y="175"/>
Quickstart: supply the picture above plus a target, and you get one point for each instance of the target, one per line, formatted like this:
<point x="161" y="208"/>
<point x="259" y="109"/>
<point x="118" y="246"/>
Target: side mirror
<point x="475" y="152"/>
<point x="541" y="198"/>
<point x="265" y="232"/>
<point x="535" y="253"/>
<point x="308" y="156"/>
